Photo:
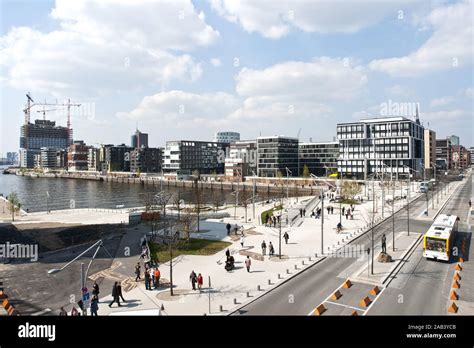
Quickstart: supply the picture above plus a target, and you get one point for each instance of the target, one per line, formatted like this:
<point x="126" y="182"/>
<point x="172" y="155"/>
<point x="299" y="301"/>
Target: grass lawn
<point x="161" y="252"/>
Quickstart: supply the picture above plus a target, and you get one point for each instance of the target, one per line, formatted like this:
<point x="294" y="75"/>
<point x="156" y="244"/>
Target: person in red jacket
<point x="199" y="281"/>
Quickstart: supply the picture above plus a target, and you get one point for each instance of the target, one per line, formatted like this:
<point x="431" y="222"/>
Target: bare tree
<point x="198" y="201"/>
<point x="217" y="200"/>
<point x="177" y="201"/>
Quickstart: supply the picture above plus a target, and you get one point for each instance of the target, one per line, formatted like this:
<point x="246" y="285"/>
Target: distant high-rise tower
<point x="139" y="139"/>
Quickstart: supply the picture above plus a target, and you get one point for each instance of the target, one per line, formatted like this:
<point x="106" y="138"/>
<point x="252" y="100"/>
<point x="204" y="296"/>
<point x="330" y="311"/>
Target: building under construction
<point x="42" y="134"/>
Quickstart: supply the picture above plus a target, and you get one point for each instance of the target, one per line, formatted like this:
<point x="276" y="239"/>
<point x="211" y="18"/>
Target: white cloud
<point x="215" y="62"/>
<point x="449" y="47"/>
<point x="469" y="92"/>
<point x="443" y="101"/>
<point x="116" y="45"/>
<point x="275" y="19"/>
<point x="180" y="109"/>
<point x="445" y="115"/>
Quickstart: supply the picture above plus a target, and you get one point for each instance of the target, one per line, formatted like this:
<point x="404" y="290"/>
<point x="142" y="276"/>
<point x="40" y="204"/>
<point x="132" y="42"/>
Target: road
<point x="422" y="286"/>
<point x="301" y="294"/>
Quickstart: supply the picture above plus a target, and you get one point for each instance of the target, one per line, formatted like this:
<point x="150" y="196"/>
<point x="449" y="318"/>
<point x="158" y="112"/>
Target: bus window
<point x="435" y="244"/>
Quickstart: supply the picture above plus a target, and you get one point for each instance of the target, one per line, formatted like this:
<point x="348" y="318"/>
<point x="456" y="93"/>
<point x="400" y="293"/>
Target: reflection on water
<point x="93" y="194"/>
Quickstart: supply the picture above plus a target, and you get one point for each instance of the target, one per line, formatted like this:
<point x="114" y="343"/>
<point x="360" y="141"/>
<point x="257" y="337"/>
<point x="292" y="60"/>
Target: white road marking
<point x="44" y="311"/>
<point x="344" y="305"/>
<point x="375" y="300"/>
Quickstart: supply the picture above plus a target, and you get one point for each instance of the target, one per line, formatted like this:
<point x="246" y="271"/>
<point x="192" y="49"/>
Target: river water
<point x="33" y="196"/>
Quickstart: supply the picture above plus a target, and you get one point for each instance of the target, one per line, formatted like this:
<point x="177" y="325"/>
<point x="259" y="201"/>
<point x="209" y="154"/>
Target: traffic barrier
<point x="6" y="304"/>
<point x="336" y="295"/>
<point x="453" y="308"/>
<point x="456" y="285"/>
<point x="375" y="291"/>
<point x="12" y="311"/>
<point x="457" y="276"/>
<point x="355" y="313"/>
<point x="453" y="295"/>
<point x="319" y="310"/>
<point x="365" y="301"/>
<point x="3" y="295"/>
<point x="458" y="267"/>
<point x="347" y="284"/>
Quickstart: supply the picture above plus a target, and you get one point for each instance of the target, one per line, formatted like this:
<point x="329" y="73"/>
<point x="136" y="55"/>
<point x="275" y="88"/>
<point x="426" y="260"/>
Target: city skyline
<point x="254" y="70"/>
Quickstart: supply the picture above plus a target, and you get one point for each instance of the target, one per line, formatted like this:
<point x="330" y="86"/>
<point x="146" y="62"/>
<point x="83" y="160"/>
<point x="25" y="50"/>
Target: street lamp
<point x="84" y="274"/>
<point x="287" y="183"/>
<point x="408" y="195"/>
<point x="253" y="195"/>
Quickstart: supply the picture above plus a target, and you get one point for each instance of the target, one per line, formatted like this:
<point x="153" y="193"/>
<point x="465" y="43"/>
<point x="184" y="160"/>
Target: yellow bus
<point x="439" y="240"/>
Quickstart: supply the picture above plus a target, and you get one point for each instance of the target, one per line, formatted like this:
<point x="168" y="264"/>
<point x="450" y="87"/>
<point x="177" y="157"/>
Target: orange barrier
<point x="457" y="276"/>
<point x="355" y="313"/>
<point x="453" y="295"/>
<point x="337" y="294"/>
<point x="375" y="291"/>
<point x="6" y="304"/>
<point x="456" y="285"/>
<point x="458" y="267"/>
<point x="319" y="310"/>
<point x="365" y="302"/>
<point x="347" y="284"/>
<point x="3" y="295"/>
<point x="12" y="311"/>
<point x="453" y="308"/>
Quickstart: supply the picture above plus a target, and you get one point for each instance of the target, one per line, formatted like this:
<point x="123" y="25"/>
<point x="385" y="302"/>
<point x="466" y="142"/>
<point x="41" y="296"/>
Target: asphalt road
<point x="422" y="286"/>
<point x="301" y="294"/>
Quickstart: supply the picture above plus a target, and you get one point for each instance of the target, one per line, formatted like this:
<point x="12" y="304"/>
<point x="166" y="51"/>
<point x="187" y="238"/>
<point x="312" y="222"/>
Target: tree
<point x="177" y="202"/>
<point x="198" y="201"/>
<point x="217" y="200"/>
<point x="349" y="189"/>
<point x="306" y="171"/>
<point x="13" y="204"/>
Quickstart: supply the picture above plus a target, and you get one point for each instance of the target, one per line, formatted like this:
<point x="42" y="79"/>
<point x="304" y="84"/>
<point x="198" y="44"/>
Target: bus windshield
<point x="436" y="244"/>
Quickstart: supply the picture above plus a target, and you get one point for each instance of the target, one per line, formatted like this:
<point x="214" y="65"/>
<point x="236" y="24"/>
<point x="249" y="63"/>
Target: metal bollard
<point x="302" y="262"/>
<point x="258" y="287"/>
<point x="221" y="308"/>
<point x="309" y="259"/>
<point x="269" y="282"/>
<point x="287" y="271"/>
<point x="248" y="294"/>
<point x="279" y="276"/>
<point x="316" y="255"/>
<point x="296" y="266"/>
<point x="235" y="301"/>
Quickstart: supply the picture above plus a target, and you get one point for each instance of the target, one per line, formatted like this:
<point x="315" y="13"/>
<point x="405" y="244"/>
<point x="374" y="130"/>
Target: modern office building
<point x="276" y="154"/>
<point x="77" y="156"/>
<point x="42" y="133"/>
<point x="12" y="157"/>
<point x="389" y="144"/>
<point x="186" y="156"/>
<point x="444" y="153"/>
<point x="115" y="158"/>
<point x="430" y="149"/>
<point x="454" y="140"/>
<point x="226" y="137"/>
<point x="241" y="159"/>
<point x="51" y="158"/>
<point x="139" y="139"/>
<point x="461" y="157"/>
<point x="320" y="158"/>
<point x="471" y="151"/>
<point x="93" y="159"/>
<point x="146" y="160"/>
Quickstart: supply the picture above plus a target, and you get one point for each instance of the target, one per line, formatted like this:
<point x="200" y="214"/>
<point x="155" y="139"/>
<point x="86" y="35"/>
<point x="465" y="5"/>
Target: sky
<point x="186" y="69"/>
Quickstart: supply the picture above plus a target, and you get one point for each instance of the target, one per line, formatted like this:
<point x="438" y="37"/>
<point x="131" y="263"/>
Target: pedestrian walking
<point x="264" y="248"/>
<point x="271" y="249"/>
<point x="470" y="203"/>
<point x="62" y="312"/>
<point x="248" y="263"/>
<point x="157" y="277"/>
<point x="152" y="276"/>
<point x="384" y="243"/>
<point x="147" y="280"/>
<point x="74" y="312"/>
<point x="304" y="212"/>
<point x="332" y="210"/>
<point x="286" y="236"/>
<point x="227" y="253"/>
<point x="328" y="209"/>
<point x="115" y="295"/>
<point x="193" y="279"/>
<point x="228" y="227"/>
<point x="137" y="272"/>
<point x="200" y="281"/>
<point x="95" y="290"/>
<point x="94" y="306"/>
<point x="242" y="241"/>
<point x="119" y="291"/>
<point x="301" y="212"/>
<point x="343" y="210"/>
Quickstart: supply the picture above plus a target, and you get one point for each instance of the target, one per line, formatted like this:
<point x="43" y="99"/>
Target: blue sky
<point x="170" y="67"/>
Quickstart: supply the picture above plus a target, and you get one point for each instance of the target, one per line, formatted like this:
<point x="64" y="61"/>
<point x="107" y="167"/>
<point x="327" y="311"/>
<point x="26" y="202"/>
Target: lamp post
<point x="253" y="195"/>
<point x="408" y="196"/>
<point x="287" y="184"/>
<point x="84" y="274"/>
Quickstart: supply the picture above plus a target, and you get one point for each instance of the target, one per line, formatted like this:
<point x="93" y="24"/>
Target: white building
<point x="226" y="137"/>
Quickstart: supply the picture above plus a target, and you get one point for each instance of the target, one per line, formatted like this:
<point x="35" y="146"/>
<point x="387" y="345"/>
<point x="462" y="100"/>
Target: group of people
<point x="196" y="279"/>
<point x="316" y="213"/>
<point x="234" y="229"/>
<point x="272" y="220"/>
<point x="349" y="212"/>
<point x="302" y="212"/>
<point x="152" y="276"/>
<point x="271" y="249"/>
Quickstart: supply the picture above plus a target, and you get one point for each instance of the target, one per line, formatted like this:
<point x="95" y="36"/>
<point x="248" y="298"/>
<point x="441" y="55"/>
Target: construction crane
<point x="27" y="110"/>
<point x="44" y="111"/>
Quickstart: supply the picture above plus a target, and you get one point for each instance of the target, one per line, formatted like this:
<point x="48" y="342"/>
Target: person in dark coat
<point x="94" y="305"/>
<point x="119" y="291"/>
<point x="286" y="236"/>
<point x="193" y="279"/>
<point x="228" y="226"/>
<point x="95" y="290"/>
<point x="115" y="295"/>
